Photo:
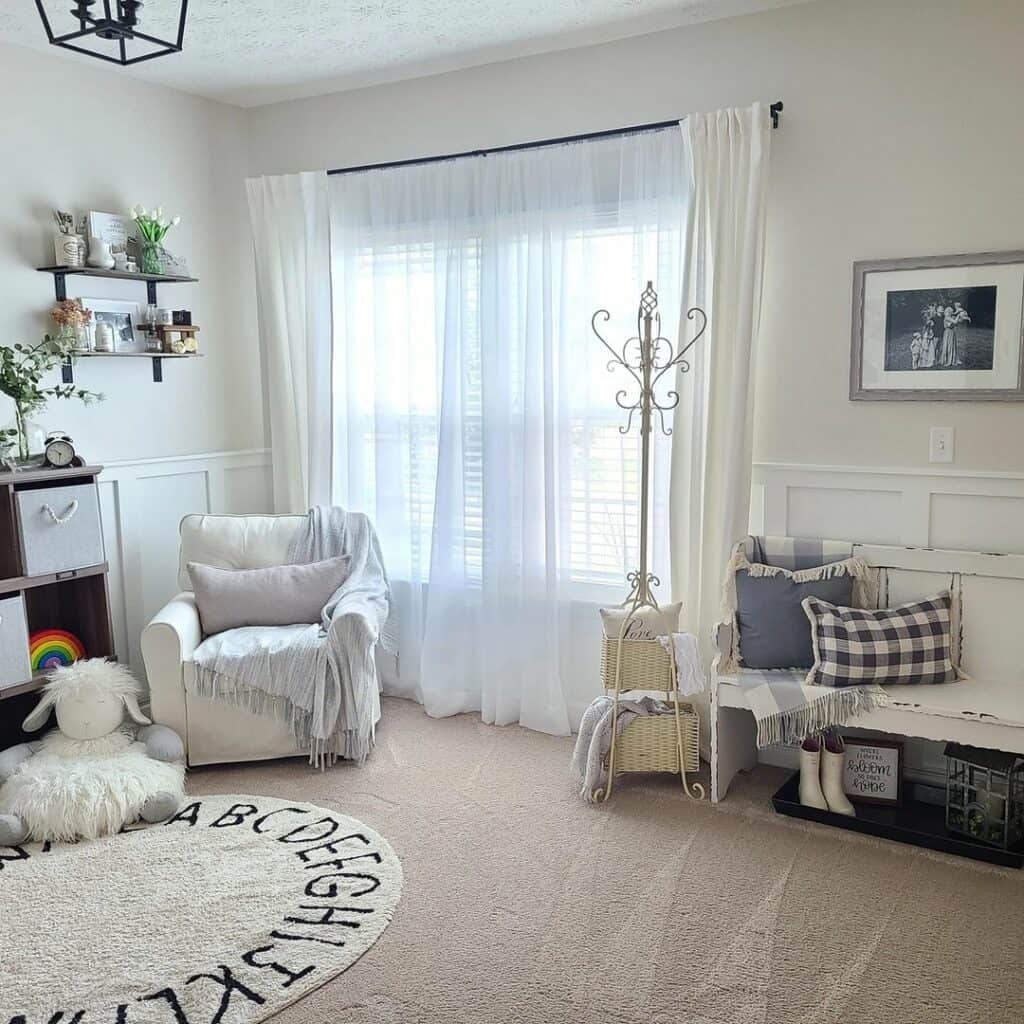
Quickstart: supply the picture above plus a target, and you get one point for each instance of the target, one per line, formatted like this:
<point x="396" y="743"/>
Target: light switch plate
<point x="940" y="444"/>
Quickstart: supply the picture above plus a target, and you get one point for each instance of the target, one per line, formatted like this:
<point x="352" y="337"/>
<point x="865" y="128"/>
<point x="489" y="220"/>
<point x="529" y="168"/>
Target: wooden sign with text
<point x="873" y="771"/>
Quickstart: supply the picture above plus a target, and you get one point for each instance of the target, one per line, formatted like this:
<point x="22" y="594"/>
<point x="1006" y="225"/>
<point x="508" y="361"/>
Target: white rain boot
<point x="810" y="777"/>
<point x="832" y="751"/>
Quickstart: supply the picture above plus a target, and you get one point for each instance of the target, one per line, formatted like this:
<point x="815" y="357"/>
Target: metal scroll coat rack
<point x="647" y="357"/>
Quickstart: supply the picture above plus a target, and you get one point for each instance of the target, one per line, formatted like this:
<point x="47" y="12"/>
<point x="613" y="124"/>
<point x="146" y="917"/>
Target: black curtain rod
<point x="775" y="109"/>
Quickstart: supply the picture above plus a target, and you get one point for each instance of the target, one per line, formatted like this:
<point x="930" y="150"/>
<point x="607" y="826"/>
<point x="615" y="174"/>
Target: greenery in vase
<point x="152" y="225"/>
<point x="22" y="368"/>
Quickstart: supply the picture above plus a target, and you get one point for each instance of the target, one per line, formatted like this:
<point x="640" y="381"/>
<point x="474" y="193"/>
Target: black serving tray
<point x="913" y="822"/>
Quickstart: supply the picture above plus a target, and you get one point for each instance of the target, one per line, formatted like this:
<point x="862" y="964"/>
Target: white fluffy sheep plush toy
<point x="94" y="773"/>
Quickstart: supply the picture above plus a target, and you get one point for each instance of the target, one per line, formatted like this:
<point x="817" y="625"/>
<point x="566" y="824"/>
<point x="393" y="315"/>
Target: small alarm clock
<point x="59" y="452"/>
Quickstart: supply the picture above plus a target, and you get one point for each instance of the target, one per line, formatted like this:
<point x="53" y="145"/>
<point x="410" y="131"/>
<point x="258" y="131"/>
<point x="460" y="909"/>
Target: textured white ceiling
<point x="251" y="52"/>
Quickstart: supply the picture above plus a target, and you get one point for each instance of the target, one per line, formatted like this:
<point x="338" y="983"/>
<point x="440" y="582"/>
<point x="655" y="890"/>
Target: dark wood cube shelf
<point x="75" y="599"/>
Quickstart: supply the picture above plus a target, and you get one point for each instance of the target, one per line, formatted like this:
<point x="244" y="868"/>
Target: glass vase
<point x="151" y="258"/>
<point x="77" y="337"/>
<point x="28" y="446"/>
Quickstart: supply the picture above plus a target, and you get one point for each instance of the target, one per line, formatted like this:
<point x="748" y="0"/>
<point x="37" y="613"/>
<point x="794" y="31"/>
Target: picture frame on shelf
<point x="939" y="328"/>
<point x="123" y="318"/>
<point x="117" y="231"/>
<point x="873" y="770"/>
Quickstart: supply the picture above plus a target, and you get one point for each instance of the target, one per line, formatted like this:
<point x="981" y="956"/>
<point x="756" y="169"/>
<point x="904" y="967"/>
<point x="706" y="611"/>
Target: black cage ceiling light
<point x="108" y="29"/>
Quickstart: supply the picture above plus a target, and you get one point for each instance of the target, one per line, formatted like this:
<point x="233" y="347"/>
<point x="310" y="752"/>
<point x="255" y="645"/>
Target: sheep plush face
<point x="90" y="698"/>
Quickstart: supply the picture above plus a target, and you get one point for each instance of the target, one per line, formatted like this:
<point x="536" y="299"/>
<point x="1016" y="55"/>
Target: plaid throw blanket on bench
<point x="786" y="707"/>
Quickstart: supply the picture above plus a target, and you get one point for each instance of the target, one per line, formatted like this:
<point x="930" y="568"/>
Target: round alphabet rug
<point x="225" y="914"/>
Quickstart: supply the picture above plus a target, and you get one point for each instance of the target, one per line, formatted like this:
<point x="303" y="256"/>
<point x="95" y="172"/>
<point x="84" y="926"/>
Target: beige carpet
<point x="523" y="904"/>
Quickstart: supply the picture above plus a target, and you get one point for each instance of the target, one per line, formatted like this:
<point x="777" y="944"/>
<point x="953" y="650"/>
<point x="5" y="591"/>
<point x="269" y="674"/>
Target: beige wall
<point x="78" y="135"/>
<point x="902" y="136"/>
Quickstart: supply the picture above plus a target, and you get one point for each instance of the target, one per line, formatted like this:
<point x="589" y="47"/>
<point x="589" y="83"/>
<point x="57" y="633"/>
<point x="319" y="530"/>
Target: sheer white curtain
<point x="290" y="225"/>
<point x="474" y="416"/>
<point x="712" y="457"/>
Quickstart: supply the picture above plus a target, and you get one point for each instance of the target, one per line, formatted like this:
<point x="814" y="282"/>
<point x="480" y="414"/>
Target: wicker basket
<point x="645" y="665"/>
<point x="649" y="743"/>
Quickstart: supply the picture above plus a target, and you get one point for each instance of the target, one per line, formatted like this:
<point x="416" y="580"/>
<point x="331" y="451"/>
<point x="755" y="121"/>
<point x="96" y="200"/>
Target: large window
<point x="475" y="418"/>
<point x="397" y="392"/>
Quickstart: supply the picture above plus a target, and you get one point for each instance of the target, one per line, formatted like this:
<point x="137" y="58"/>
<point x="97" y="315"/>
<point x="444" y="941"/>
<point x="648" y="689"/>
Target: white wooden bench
<point x="985" y="710"/>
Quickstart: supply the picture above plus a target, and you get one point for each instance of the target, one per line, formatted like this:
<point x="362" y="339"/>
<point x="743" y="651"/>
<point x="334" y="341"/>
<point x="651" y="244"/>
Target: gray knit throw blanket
<point x="594" y="739"/>
<point x="319" y="679"/>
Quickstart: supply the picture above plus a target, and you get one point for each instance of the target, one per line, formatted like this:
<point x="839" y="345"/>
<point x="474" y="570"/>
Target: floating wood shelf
<point x="138" y="355"/>
<point x="120" y="275"/>
<point x="60" y="274"/>
<point x="68" y="370"/>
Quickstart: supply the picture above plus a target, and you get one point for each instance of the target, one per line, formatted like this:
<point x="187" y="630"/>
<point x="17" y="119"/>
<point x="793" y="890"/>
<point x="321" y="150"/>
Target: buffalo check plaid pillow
<point x="908" y="644"/>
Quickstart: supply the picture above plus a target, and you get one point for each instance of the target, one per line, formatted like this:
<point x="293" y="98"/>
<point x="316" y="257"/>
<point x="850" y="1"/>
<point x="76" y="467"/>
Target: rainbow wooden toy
<point x="51" y="648"/>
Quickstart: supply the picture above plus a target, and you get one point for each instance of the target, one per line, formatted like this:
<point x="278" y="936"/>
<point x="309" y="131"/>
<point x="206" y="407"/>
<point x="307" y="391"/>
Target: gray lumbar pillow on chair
<point x="282" y="595"/>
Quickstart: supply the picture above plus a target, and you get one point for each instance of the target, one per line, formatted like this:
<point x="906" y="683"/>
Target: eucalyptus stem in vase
<point x="152" y="227"/>
<point x="22" y="368"/>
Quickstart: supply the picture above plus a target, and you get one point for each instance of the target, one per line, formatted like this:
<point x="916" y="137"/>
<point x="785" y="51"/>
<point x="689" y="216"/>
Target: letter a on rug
<point x="233" y="909"/>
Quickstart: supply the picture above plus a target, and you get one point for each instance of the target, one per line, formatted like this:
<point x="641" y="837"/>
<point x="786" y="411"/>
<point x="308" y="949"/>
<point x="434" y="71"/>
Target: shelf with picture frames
<point x="60" y="274"/>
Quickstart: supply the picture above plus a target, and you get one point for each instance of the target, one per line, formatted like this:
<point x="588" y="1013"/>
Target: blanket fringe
<point x="323" y="752"/>
<point x="829" y="709"/>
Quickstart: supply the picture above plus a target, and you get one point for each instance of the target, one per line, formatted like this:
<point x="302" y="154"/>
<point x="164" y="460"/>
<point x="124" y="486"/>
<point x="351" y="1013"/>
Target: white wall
<point x="901" y="136"/>
<point x="142" y="502"/>
<point x="79" y="135"/>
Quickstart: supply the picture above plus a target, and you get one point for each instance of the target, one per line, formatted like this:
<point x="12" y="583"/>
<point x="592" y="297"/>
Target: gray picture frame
<point x="863" y="268"/>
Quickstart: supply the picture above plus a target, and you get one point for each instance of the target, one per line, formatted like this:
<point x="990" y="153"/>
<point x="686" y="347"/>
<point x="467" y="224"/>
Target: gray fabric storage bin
<point x="57" y="546"/>
<point x="15" y="666"/>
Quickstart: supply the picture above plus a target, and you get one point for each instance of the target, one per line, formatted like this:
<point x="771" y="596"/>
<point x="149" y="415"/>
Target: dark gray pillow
<point x="282" y="595"/>
<point x="773" y="627"/>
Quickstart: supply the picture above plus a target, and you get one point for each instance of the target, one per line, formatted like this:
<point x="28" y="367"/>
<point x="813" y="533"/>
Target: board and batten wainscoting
<point x="916" y="507"/>
<point x="142" y="502"/>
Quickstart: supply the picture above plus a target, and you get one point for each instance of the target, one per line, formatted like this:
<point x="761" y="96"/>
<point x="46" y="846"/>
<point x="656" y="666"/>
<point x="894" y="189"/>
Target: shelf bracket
<point x="158" y="369"/>
<point x="151" y="294"/>
<point x="60" y="286"/>
<point x="67" y="372"/>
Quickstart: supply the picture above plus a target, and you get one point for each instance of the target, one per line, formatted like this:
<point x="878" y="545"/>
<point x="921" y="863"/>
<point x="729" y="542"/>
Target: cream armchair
<point x="213" y="732"/>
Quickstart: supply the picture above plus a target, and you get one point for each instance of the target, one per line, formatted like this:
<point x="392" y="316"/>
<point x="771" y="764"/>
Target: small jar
<point x="103" y="338"/>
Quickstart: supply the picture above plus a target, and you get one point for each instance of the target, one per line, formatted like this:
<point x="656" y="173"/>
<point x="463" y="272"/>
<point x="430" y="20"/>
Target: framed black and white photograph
<point x="123" y="318"/>
<point x="939" y="328"/>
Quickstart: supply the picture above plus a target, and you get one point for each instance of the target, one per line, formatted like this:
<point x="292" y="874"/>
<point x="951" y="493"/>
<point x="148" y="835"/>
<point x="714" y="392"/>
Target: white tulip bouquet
<point x="153" y="226"/>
